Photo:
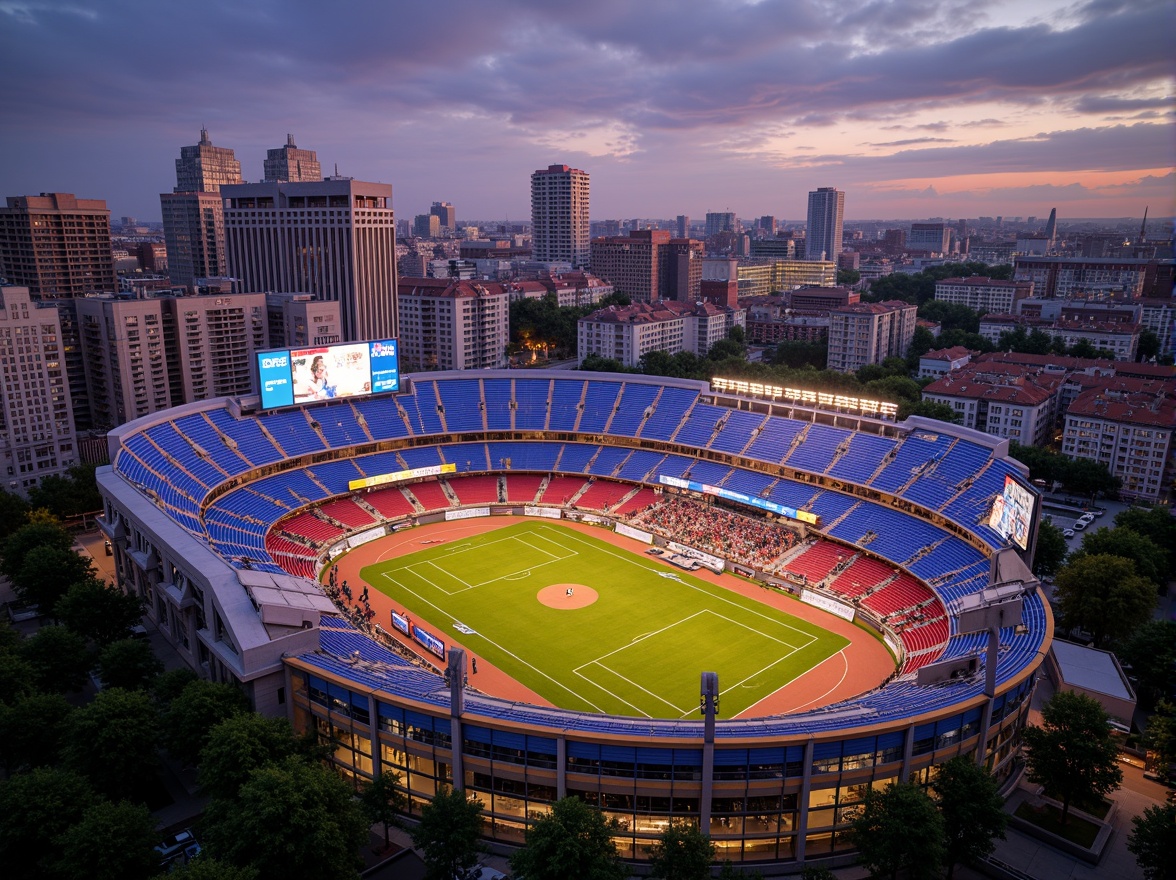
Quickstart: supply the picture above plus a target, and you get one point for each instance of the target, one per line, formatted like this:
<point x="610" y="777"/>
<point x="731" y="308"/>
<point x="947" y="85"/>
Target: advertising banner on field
<point x="430" y="641"/>
<point x="364" y="537"/>
<point x="400" y="622"/>
<point x="893" y="643"/>
<point x="432" y="470"/>
<point x="827" y="603"/>
<point x="548" y="512"/>
<point x="467" y="513"/>
<point x="712" y="562"/>
<point x="635" y="534"/>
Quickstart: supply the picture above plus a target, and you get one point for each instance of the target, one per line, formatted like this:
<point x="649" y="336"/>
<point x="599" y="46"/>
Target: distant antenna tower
<point x="1143" y="226"/>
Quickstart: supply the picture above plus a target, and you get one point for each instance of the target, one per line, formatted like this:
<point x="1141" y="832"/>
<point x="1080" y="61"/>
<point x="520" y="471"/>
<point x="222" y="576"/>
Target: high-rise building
<point x="205" y="168"/>
<point x="426" y="226"/>
<point x="194" y="232"/>
<point x="648" y="265"/>
<point x="446" y="214"/>
<point x="298" y="320"/>
<point x="37" y="436"/>
<point x="683" y="223"/>
<point x="868" y="333"/>
<point x="333" y="238"/>
<point x="931" y="238"/>
<point x="451" y="324"/>
<point x="559" y="216"/>
<point x="719" y="221"/>
<point x="291" y="165"/>
<point x="826" y="217"/>
<point x="57" y="245"/>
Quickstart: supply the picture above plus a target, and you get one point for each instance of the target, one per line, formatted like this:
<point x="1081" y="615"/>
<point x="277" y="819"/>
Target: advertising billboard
<point x="761" y="503"/>
<point x="303" y="375"/>
<point x="1012" y="512"/>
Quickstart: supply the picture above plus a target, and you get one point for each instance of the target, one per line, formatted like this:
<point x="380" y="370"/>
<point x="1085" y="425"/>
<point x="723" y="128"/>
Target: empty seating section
<point x="818" y="449"/>
<point x="971" y="580"/>
<point x="390" y="502"/>
<point x="246" y="502"/>
<point x="737" y="430"/>
<point x="378" y="463"/>
<point x="635" y="400"/>
<point x="291" y="488"/>
<point x="915" y="451"/>
<point x="310" y="526"/>
<point x="522" y="487"/>
<point x="339" y="425"/>
<point x="246" y="433"/>
<point x="696" y="431"/>
<point x="863" y="574"/>
<point x="462" y="399"/>
<point x="180" y="451"/>
<point x="952" y="555"/>
<point x="637" y="503"/>
<point x="575" y="457"/>
<point x="565" y="405"/>
<point x="640" y="463"/>
<point x="748" y="482"/>
<point x="865" y="454"/>
<point x="427" y="402"/>
<point x="774" y="440"/>
<point x="895" y="535"/>
<point x="561" y="489"/>
<point x="199" y="431"/>
<point x="475" y="490"/>
<point x="603" y="495"/>
<point x="925" y="639"/>
<point x="830" y="505"/>
<point x="383" y="419"/>
<point x="942" y="479"/>
<point x="174" y="487"/>
<point x="293" y="432"/>
<point x="430" y="494"/>
<point x="421" y="456"/>
<point x="903" y="592"/>
<point x="671" y="466"/>
<point x="349" y="513"/>
<point x="608" y="460"/>
<point x="410" y="403"/>
<point x="466" y="456"/>
<point x="671" y="406"/>
<point x="531" y="404"/>
<point x="790" y="494"/>
<point x="496" y="393"/>
<point x="598" y="406"/>
<point x="816" y="562"/>
<point x="534" y="456"/>
<point x="335" y="475"/>
<point x="709" y="473"/>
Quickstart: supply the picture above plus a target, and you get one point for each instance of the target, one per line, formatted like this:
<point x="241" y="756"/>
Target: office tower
<point x="446" y="214"/>
<point x="426" y="226"/>
<point x="290" y="164"/>
<point x="931" y="238"/>
<point x="648" y="265"/>
<point x="767" y="224"/>
<point x="37" y="436"/>
<point x="194" y="233"/>
<point x="1051" y="227"/>
<point x="453" y="324"/>
<point x="559" y="216"/>
<point x="683" y="223"/>
<point x="719" y="221"/>
<point x="298" y="320"/>
<point x="205" y="168"/>
<point x="333" y="238"/>
<point x="57" y="245"/>
<point x="826" y="215"/>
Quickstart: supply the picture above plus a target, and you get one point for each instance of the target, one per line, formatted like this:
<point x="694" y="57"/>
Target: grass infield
<point x="637" y="650"/>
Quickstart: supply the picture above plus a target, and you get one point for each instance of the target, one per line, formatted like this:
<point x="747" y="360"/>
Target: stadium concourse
<point x="223" y="517"/>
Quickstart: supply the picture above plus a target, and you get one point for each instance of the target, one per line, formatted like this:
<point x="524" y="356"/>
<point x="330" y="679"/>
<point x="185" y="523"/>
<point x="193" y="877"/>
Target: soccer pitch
<point x="637" y="650"/>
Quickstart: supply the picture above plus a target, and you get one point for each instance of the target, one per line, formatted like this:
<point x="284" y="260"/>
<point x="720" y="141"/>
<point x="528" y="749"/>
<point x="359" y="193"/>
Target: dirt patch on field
<point x="568" y="596"/>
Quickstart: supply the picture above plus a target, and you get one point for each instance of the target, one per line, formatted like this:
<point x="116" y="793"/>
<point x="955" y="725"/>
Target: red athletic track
<point x="860" y="666"/>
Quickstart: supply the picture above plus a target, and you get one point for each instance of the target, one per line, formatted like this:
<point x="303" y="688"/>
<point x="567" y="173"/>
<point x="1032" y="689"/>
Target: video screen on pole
<point x="1012" y="512"/>
<point x="287" y="377"/>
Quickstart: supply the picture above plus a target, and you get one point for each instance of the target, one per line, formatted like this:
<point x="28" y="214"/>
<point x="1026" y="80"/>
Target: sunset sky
<point x="915" y="108"/>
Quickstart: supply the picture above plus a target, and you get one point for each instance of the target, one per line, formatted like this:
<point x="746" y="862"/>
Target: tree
<point x="29" y="537"/>
<point x="33" y="731"/>
<point x="1151" y="653"/>
<point x="1155" y="523"/>
<point x="1051" y="549"/>
<point x="100" y="613"/>
<point x="848" y="277"/>
<point x="292" y="819"/>
<point x="1149" y="345"/>
<point x="899" y="829"/>
<point x="922" y="342"/>
<point x="572" y="840"/>
<point x="1160" y="735"/>
<point x="1103" y="595"/>
<point x="383" y="801"/>
<point x="14" y="512"/>
<point x="37" y="807"/>
<point x="47" y="572"/>
<point x="798" y="353"/>
<point x="972" y="810"/>
<point x="112" y="841"/>
<point x="129" y="664"/>
<point x="1072" y="754"/>
<point x="240" y="745"/>
<point x="1085" y="476"/>
<point x="1153" y="842"/>
<point x="68" y="496"/>
<point x="448" y="834"/>
<point x="929" y="409"/>
<point x="59" y="659"/>
<point x="171" y="684"/>
<point x="113" y="742"/>
<point x="16" y="677"/>
<point x="1150" y="561"/>
<point x="682" y="852"/>
<point x="208" y="868"/>
<point x="190" y="716"/>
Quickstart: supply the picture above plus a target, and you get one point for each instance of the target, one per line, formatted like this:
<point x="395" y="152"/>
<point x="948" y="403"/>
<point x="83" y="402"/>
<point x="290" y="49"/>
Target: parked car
<point x="1079" y="526"/>
<point x="1068" y="533"/>
<point x="175" y="846"/>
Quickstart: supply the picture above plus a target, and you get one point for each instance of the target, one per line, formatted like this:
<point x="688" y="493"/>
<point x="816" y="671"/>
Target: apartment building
<point x="983" y="294"/>
<point x="452" y="324"/>
<point x="626" y="333"/>
<point x="868" y="333"/>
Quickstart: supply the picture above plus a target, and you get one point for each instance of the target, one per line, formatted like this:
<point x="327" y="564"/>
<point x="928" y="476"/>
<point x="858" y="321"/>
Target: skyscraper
<point x="205" y="168"/>
<point x="289" y="163"/>
<point x="683" y="222"/>
<point x="559" y="215"/>
<point x="719" y="221"/>
<point x="193" y="214"/>
<point x="446" y="213"/>
<point x="57" y="245"/>
<point x="333" y="238"/>
<point x="826" y="214"/>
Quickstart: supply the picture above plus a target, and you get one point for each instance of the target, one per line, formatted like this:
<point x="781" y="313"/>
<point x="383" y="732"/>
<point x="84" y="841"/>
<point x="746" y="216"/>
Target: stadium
<point x="239" y="526"/>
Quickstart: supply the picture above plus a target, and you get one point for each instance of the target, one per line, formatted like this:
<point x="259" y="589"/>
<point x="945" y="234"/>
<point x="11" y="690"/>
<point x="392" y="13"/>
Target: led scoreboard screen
<point x="303" y="375"/>
<point x="1012" y="512"/>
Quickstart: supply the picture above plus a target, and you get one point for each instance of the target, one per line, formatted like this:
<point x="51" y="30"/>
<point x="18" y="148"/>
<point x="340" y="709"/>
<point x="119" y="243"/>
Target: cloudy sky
<point x="915" y="108"/>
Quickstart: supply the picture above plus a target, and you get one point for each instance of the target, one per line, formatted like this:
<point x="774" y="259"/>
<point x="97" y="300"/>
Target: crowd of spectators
<point x="751" y="542"/>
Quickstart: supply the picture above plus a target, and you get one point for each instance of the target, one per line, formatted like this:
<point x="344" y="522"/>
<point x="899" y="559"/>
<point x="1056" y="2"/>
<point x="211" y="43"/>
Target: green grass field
<point x="638" y="650"/>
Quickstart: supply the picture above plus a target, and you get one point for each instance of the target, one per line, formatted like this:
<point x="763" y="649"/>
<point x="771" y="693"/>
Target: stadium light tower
<point x="455" y="677"/>
<point x="708" y="705"/>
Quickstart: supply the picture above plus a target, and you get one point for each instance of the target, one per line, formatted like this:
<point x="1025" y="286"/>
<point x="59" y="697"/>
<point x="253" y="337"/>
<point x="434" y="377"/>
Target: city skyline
<point x="916" y="110"/>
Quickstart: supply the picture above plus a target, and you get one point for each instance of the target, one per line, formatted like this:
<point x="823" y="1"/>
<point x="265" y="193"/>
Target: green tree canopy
<point x="59" y="658"/>
<point x="101" y="613"/>
<point x="1150" y="561"/>
<point x="293" y="819"/>
<point x="1103" y="595"/>
<point x="129" y="664"/>
<point x="929" y="409"/>
<point x="1153" y="842"/>
<point x="1051" y="549"/>
<point x="14" y="512"/>
<point x="238" y="746"/>
<point x="112" y="841"/>
<point x="33" y="731"/>
<point x="951" y="316"/>
<point x="70" y="495"/>
<point x="798" y="353"/>
<point x="1154" y="523"/>
<point x="1073" y="753"/>
<point x="1160" y="736"/>
<point x="171" y="684"/>
<point x="47" y="572"/>
<point x="383" y="801"/>
<point x="448" y="833"/>
<point x="682" y="852"/>
<point x="17" y="677"/>
<point x="972" y="810"/>
<point x="899" y="829"/>
<point x="207" y="868"/>
<point x="573" y="840"/>
<point x="190" y="717"/>
<point x="29" y="537"/>
<point x="113" y="742"/>
<point x="1151" y="653"/>
<point x="38" y="807"/>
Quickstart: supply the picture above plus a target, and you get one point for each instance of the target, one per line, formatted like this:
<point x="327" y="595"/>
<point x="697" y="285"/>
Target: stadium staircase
<point x="840" y="519"/>
<point x="580" y="492"/>
<point x="796" y="442"/>
<point x="839" y="453"/>
<point x="886" y="461"/>
<point x="454" y="501"/>
<point x="417" y="507"/>
<point x="543" y="486"/>
<point x="502" y="489"/>
<point x="361" y="420"/>
<point x="360" y="501"/>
